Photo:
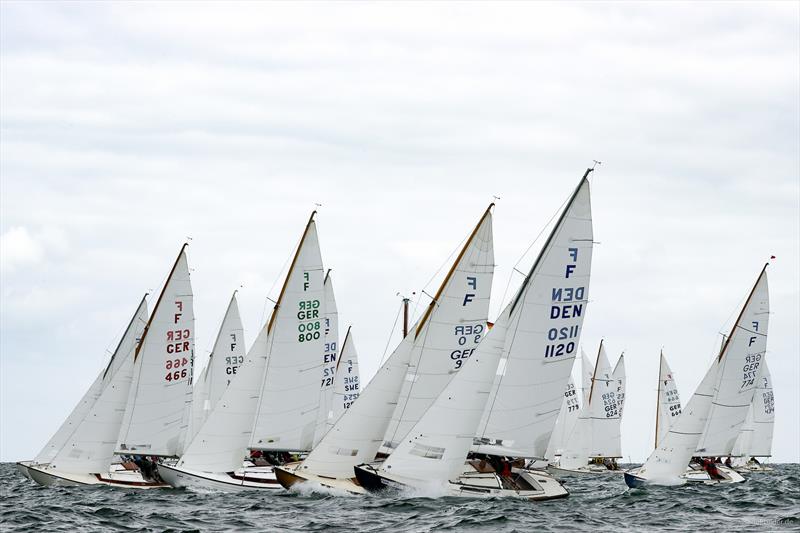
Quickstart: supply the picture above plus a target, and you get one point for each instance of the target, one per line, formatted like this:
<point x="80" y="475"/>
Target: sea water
<point x="765" y="502"/>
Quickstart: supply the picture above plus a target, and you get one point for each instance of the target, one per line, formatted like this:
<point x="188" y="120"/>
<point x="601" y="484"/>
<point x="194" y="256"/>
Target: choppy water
<point x="766" y="502"/>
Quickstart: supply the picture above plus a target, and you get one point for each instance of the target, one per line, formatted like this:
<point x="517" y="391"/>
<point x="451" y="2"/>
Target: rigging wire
<point x="391" y="334"/>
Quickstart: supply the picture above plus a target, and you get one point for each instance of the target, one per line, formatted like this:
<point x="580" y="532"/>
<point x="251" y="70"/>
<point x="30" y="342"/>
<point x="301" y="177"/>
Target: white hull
<point x="532" y="485"/>
<point x="289" y="476"/>
<point x="692" y="475"/>
<point x="48" y="477"/>
<point x="22" y="468"/>
<point x="249" y="478"/>
<point x="587" y="470"/>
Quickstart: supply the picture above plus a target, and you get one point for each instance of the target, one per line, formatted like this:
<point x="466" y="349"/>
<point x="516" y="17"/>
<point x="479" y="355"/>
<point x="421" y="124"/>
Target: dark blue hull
<point x="633" y="481"/>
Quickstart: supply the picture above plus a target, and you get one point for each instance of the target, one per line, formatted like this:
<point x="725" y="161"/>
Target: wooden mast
<point x="435" y="300"/>
<point x="289" y="273"/>
<point x="658" y="394"/>
<point x="158" y="302"/>
<point x="594" y="374"/>
<point x="405" y="317"/>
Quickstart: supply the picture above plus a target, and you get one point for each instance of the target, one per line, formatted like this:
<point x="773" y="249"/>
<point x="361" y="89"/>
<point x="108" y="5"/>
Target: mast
<point x="291" y="267"/>
<point x="549" y="239"/>
<point x="727" y="339"/>
<point x="160" y="296"/>
<point x="594" y="375"/>
<point x="429" y="310"/>
<point x="658" y="394"/>
<point x="405" y="317"/>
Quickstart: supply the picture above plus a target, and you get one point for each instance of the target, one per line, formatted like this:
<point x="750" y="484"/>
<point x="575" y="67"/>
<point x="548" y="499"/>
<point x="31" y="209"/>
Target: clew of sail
<point x="546" y="318"/>
<point x="159" y="404"/>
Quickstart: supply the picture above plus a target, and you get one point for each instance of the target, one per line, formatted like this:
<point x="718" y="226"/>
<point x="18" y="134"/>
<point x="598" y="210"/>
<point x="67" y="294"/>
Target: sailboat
<point x="271" y="405"/>
<point x="567" y="417"/>
<point x="596" y="435"/>
<point x="81" y="451"/>
<point x="505" y="400"/>
<point x="755" y="439"/>
<point x="668" y="400"/>
<point x="448" y="332"/>
<point x="223" y="364"/>
<point x="329" y="362"/>
<point x="711" y="421"/>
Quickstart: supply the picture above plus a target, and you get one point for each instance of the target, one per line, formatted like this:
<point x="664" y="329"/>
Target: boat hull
<point x="22" y="468"/>
<point x="602" y="471"/>
<point x="635" y="481"/>
<point x="532" y="485"/>
<point x="289" y="476"/>
<point x="244" y="479"/>
<point x="48" y="477"/>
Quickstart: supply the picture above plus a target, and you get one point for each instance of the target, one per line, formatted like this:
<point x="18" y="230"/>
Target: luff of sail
<point x="288" y="403"/>
<point x="740" y="369"/>
<point x="546" y="320"/>
<point x="450" y="329"/>
<point x="159" y="405"/>
<point x="90" y="449"/>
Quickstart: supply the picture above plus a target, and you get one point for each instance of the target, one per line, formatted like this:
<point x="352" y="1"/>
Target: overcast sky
<point x="128" y="127"/>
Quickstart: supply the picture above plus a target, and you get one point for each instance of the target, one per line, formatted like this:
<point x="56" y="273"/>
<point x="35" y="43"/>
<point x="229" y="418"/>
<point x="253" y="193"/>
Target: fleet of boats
<point x="461" y="407"/>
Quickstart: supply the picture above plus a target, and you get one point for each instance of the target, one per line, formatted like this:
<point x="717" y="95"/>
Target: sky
<point x="128" y="128"/>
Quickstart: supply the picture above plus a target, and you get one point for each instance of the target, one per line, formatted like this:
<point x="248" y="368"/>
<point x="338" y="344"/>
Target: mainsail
<point x="669" y="402"/>
<point x="288" y="402"/>
<point x="587" y="373"/>
<point x="545" y="322"/>
<point x="225" y="362"/>
<point x="619" y="377"/>
<point x="740" y="368"/>
<point x="159" y="403"/>
<point x="448" y="333"/>
<point x="567" y="416"/>
<point x="348" y="382"/>
<point x="755" y="439"/>
<point x="330" y="357"/>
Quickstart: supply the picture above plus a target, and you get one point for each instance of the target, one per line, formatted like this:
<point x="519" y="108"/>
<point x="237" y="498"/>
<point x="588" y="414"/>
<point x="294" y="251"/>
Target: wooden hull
<point x="289" y="476"/>
<point x="244" y="479"/>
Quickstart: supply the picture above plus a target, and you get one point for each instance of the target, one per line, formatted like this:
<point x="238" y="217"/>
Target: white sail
<point x="587" y="373"/>
<point x="546" y="322"/>
<point x="670" y="459"/>
<point x="79" y="412"/>
<point x="565" y="423"/>
<point x="740" y="367"/>
<point x="598" y="422"/>
<point x="449" y="331"/>
<point x="159" y="405"/>
<point x="619" y="377"/>
<point x="221" y="442"/>
<point x="225" y="361"/>
<point x="90" y="448"/>
<point x="763" y="416"/>
<point x="669" y="401"/>
<point x="741" y="448"/>
<point x="348" y="382"/>
<point x="357" y="435"/>
<point x="329" y="362"/>
<point x="437" y="445"/>
<point x="286" y="415"/>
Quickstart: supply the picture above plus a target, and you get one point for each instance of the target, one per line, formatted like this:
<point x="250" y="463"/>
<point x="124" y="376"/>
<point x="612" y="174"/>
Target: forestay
<point x="224" y="363"/>
<point x="90" y="448"/>
<point x="449" y="331"/>
<point x="159" y="405"/>
<point x="544" y="330"/>
<point x="347" y="385"/>
<point x="740" y="364"/>
<point x="329" y="362"/>
<point x="669" y="401"/>
<point x="286" y="415"/>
